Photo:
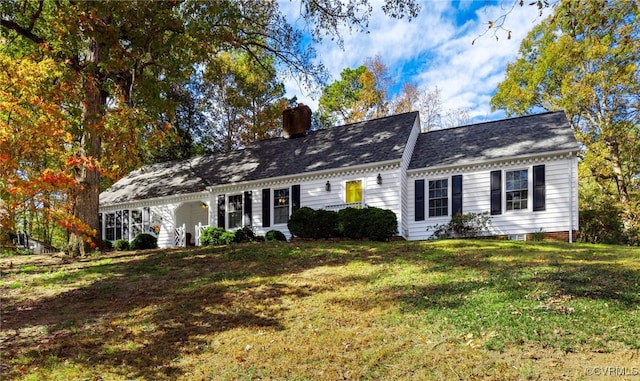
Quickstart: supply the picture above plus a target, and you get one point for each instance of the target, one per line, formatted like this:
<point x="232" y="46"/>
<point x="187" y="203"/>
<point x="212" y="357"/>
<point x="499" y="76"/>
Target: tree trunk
<point x="616" y="163"/>
<point x="624" y="199"/>
<point x="87" y="175"/>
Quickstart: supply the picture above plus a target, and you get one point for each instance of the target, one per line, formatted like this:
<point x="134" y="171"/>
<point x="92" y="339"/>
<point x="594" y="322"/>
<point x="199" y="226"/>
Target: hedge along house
<point x="522" y="170"/>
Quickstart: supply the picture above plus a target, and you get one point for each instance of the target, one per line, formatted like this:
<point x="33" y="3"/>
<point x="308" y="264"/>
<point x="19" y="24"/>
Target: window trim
<point x="421" y="195"/>
<point x="228" y="211"/>
<point x="110" y="224"/>
<point x="362" y="190"/>
<point x="273" y="205"/>
<point x="447" y="197"/>
<point x="127" y="223"/>
<point x="504" y="191"/>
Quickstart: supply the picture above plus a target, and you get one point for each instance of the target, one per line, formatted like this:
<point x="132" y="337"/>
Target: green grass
<point x="324" y="310"/>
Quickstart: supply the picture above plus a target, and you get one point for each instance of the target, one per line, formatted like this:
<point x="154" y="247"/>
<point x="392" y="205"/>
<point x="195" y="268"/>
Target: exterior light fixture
<point x="327" y="186"/>
<point x="379" y="179"/>
<point x="204" y="205"/>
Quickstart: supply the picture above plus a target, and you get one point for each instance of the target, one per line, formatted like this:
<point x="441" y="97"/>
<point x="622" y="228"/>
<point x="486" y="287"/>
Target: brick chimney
<point x="296" y="121"/>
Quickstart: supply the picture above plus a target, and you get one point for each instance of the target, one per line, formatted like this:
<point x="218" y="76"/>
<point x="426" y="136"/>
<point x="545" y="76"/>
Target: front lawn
<point x="444" y="310"/>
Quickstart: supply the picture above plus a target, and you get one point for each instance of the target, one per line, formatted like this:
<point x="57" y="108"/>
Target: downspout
<point x="571" y="211"/>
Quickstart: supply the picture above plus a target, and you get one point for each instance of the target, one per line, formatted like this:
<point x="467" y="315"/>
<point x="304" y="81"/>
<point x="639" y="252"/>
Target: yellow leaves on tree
<point x="33" y="136"/>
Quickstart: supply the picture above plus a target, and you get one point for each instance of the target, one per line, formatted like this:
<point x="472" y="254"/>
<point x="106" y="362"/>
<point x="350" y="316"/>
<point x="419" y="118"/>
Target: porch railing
<point x="338" y="207"/>
<point x="199" y="228"/>
<point x="180" y="236"/>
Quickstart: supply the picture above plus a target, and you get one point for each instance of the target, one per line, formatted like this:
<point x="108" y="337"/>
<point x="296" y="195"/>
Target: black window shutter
<point x="496" y="192"/>
<point x="539" y="192"/>
<point x="295" y="198"/>
<point x="419" y="200"/>
<point x="266" y="208"/>
<point x="248" y="208"/>
<point x="221" y="211"/>
<point x="456" y="194"/>
<point x="100" y="226"/>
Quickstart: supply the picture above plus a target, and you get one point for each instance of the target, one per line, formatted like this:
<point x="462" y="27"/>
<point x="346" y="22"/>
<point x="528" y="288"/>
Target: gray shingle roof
<point x="360" y="143"/>
<point x="476" y="143"/>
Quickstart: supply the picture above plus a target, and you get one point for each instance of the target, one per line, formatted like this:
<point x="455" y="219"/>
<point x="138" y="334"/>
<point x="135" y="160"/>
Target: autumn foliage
<point x="35" y="158"/>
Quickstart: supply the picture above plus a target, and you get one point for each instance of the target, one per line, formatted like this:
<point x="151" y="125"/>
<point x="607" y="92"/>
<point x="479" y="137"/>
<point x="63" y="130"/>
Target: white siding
<point x="403" y="220"/>
<point x="560" y="213"/>
<point x="397" y="193"/>
<point x="169" y="212"/>
<point x="167" y="228"/>
<point x="313" y="194"/>
<point x="257" y="208"/>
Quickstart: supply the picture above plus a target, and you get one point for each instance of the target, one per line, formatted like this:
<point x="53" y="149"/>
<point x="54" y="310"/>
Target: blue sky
<point x="434" y="49"/>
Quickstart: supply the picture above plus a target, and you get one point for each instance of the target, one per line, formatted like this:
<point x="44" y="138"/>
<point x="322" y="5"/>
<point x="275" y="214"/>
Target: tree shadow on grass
<point x="589" y="272"/>
<point x="139" y="315"/>
<point x="171" y="300"/>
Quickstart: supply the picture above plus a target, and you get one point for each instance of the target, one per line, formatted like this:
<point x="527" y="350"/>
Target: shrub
<point x="466" y="225"/>
<point x="107" y="245"/>
<point x="143" y="242"/>
<point x="275" y="235"/>
<point x="211" y="236"/>
<point x="324" y="224"/>
<point x="350" y="223"/>
<point x="380" y="224"/>
<point x="121" y="245"/>
<point x="538" y="236"/>
<point x="373" y="223"/>
<point x="227" y="238"/>
<point x="301" y="222"/>
<point x="245" y="234"/>
<point x="601" y="225"/>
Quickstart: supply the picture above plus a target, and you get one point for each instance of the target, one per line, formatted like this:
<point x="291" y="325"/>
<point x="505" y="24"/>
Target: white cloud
<point x="435" y="49"/>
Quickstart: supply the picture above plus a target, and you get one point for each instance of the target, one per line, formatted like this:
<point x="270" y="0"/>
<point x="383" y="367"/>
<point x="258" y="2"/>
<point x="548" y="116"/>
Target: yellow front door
<point x="354" y="191"/>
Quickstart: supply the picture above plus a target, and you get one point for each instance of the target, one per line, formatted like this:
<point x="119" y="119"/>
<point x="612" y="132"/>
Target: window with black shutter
<point x="456" y="194"/>
<point x="235" y="211"/>
<point x="295" y="198"/>
<point x="419" y="200"/>
<point x="266" y="207"/>
<point x="438" y="198"/>
<point x="248" y="209"/>
<point x="281" y="201"/>
<point x="539" y="191"/>
<point x="221" y="211"/>
<point x="496" y="192"/>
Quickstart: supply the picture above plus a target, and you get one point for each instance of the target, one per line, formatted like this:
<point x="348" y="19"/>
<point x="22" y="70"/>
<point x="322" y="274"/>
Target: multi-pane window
<point x="438" y="198"/>
<point x="146" y="219"/>
<point x="517" y="188"/>
<point x="118" y="224"/>
<point x="354" y="191"/>
<point x="234" y="211"/>
<point x="126" y="224"/>
<point x="136" y="223"/>
<point x="110" y="226"/>
<point x="281" y="206"/>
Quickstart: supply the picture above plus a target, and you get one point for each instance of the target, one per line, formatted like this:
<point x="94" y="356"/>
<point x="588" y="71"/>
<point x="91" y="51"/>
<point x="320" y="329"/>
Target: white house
<point x="521" y="170"/>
